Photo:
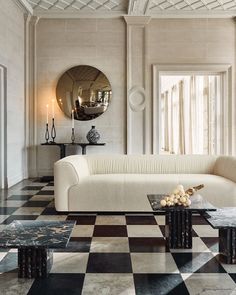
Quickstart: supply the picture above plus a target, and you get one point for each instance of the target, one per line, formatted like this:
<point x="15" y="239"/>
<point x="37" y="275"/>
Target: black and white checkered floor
<point x="119" y="254"/>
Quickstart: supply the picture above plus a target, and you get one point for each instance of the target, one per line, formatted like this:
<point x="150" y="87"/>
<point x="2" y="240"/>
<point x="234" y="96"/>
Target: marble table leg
<point x="178" y="229"/>
<point x="34" y="262"/>
<point x="227" y="245"/>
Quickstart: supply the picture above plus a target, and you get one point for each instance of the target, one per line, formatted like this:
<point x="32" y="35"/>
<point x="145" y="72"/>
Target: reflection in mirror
<point x="84" y="89"/>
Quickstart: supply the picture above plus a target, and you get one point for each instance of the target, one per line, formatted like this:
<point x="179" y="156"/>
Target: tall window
<point x="190" y="119"/>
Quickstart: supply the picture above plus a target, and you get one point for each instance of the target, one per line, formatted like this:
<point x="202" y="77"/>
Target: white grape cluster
<point x="177" y="197"/>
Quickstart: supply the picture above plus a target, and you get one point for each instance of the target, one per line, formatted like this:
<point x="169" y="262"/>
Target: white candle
<point x="73" y="119"/>
<point x="47" y="113"/>
<point x="53" y="109"/>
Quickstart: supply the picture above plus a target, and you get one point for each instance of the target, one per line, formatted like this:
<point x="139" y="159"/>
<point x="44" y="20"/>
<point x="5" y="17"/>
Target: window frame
<point x="227" y="128"/>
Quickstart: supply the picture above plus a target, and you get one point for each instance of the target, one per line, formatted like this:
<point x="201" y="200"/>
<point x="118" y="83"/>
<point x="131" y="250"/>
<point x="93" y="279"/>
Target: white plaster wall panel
<point x="81" y="41"/>
<point x="136" y="84"/>
<point x="211" y="41"/>
<point x="12" y="56"/>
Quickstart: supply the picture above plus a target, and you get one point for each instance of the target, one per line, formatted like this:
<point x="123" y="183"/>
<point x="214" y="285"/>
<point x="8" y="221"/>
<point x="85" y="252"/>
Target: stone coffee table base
<point x="178" y="229"/>
<point x="34" y="262"/>
<point x="224" y="220"/>
<point x="227" y="245"/>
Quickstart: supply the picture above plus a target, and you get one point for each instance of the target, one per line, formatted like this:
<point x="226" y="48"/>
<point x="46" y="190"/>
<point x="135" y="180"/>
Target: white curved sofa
<point x="122" y="182"/>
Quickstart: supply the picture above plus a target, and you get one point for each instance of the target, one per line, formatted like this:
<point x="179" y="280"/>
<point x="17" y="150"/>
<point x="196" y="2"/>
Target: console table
<point x="63" y="145"/>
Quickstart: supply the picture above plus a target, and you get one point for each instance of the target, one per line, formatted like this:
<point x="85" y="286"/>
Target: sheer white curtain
<point x="188" y="115"/>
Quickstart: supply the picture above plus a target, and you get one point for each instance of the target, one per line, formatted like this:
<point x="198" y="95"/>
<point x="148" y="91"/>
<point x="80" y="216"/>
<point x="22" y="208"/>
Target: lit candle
<point x="73" y="119"/>
<point x="53" y="109"/>
<point x="47" y="113"/>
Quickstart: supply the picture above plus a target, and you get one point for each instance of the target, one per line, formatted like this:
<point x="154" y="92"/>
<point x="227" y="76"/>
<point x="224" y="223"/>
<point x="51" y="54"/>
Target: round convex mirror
<point x="84" y="89"/>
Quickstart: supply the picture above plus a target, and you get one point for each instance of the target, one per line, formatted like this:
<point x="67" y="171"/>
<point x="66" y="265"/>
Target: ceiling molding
<point x="118" y="8"/>
<point x="25" y="6"/>
<point x="137" y="19"/>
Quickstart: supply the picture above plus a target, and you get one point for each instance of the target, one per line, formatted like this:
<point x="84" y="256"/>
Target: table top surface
<point x="198" y="204"/>
<point x="28" y="233"/>
<point x="223" y="218"/>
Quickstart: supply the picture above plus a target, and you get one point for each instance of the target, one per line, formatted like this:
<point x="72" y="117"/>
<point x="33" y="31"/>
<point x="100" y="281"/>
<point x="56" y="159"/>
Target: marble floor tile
<point x="52" y="217"/>
<point x="2" y="255"/>
<point x="58" y="284"/>
<point x="197" y="246"/>
<point x="18" y="217"/>
<point x="212" y="243"/>
<point x="205" y="231"/>
<point x="42" y="198"/>
<point x="108" y="284"/>
<point x="48" y="188"/>
<point x="36" y="204"/>
<point x="29" y="211"/>
<point x="82" y="219"/>
<point x="109" y="244"/>
<point x="197" y="262"/>
<point x="160" y="284"/>
<point x="7" y="210"/>
<point x="110" y="220"/>
<point x="110" y="231"/>
<point x="210" y="284"/>
<point x="149" y="245"/>
<point x="109" y="263"/>
<point x="144" y="231"/>
<point x="69" y="262"/>
<point x="82" y="231"/>
<point x="32" y="187"/>
<point x="141" y="220"/>
<point x="46" y="193"/>
<point x="12" y="203"/>
<point x="12" y="285"/>
<point x="79" y="244"/>
<point x="21" y="195"/>
<point x="3" y="217"/>
<point x="9" y="263"/>
<point x="153" y="263"/>
<point x="161" y="219"/>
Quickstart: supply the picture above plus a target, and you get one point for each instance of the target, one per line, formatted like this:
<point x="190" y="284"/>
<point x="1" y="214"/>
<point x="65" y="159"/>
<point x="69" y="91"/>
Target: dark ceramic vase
<point x="93" y="136"/>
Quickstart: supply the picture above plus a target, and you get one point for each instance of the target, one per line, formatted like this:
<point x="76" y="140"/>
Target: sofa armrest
<point x="68" y="172"/>
<point x="226" y="166"/>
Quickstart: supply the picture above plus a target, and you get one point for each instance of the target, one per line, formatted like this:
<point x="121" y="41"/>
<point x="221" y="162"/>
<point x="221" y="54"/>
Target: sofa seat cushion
<point x="128" y="192"/>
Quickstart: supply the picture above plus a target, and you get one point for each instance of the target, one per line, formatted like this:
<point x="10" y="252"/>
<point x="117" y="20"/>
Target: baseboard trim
<point x="14" y="179"/>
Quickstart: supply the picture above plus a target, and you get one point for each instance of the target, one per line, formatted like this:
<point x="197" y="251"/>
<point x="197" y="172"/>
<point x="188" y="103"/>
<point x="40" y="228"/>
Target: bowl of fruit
<point x="180" y="196"/>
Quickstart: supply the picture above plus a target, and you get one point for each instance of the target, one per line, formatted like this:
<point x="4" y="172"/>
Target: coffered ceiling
<point x="113" y="8"/>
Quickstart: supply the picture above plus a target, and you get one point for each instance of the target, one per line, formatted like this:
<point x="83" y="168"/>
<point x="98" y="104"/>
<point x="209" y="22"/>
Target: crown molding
<point x="25" y="6"/>
<point x="137" y="19"/>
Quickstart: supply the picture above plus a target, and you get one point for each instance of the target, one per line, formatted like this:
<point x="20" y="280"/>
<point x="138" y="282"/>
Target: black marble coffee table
<point x="225" y="220"/>
<point x="178" y="225"/>
<point x="35" y="241"/>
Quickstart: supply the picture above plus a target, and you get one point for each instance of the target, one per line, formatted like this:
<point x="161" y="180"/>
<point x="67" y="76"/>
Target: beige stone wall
<point x="102" y="43"/>
<point x="62" y="44"/>
<point x="12" y="57"/>
<point x="191" y="41"/>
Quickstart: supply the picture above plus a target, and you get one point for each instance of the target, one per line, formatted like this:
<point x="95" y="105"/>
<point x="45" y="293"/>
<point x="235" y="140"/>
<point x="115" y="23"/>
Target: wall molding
<point x="31" y="95"/>
<point x="227" y="127"/>
<point x="136" y="84"/>
<point x="3" y="127"/>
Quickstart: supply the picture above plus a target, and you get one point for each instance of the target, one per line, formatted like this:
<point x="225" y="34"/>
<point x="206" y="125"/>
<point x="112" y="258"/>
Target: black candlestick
<point x="46" y="133"/>
<point x="73" y="135"/>
<point x="53" y="131"/>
